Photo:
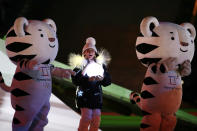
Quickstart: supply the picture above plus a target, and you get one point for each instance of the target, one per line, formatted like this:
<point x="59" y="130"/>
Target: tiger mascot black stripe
<point x="32" y="45"/>
<point x="167" y="50"/>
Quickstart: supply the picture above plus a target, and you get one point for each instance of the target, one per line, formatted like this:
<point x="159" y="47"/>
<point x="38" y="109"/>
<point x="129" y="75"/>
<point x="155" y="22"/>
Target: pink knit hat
<point x="90" y="44"/>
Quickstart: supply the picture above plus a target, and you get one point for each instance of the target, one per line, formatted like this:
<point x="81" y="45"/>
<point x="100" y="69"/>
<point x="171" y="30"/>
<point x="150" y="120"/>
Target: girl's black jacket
<point x="89" y="93"/>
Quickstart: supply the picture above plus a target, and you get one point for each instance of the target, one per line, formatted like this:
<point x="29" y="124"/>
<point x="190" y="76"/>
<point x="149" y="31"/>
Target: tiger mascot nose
<point x="51" y="39"/>
<point x="145" y="48"/>
<point x="184" y="44"/>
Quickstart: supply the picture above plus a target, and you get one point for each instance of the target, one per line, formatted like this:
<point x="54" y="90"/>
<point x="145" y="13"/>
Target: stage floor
<point x="61" y="117"/>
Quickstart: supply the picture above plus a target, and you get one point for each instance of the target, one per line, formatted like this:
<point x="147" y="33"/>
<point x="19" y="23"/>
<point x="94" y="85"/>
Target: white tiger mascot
<point x="167" y="50"/>
<point x="32" y="45"/>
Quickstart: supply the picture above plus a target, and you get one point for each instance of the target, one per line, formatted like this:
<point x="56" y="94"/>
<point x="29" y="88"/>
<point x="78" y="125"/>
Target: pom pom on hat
<point x="91" y="40"/>
<point x="90" y="43"/>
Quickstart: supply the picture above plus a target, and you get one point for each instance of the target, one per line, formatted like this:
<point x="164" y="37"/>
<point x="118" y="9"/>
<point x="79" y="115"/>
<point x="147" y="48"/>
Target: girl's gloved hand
<point x="96" y="78"/>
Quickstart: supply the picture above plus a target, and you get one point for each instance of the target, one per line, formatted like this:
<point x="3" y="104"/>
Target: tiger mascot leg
<point x="154" y="100"/>
<point x="150" y="121"/>
<point x="168" y="122"/>
<point x="41" y="118"/>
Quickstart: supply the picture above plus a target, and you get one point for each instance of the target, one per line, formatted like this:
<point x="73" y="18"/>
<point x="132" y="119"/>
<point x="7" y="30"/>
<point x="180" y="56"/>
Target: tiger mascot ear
<point x="145" y="26"/>
<point x="51" y="23"/>
<point x="189" y="27"/>
<point x="19" y="25"/>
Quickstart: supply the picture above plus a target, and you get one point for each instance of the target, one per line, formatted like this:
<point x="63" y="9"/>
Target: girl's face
<point x="89" y="54"/>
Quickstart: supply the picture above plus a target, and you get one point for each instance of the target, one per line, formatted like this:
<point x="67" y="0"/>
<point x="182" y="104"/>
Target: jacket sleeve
<point x="79" y="79"/>
<point x="107" y="78"/>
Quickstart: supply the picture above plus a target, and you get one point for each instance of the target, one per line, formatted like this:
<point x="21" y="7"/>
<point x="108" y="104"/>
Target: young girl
<point x="90" y="74"/>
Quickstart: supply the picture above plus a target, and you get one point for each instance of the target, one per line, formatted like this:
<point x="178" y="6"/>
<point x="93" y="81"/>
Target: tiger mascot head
<point x="32" y="40"/>
<point x="161" y="40"/>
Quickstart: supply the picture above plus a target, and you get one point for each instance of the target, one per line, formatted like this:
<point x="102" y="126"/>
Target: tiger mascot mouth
<point x="183" y="50"/>
<point x="52" y="46"/>
<point x="52" y="40"/>
<point x="184" y="44"/>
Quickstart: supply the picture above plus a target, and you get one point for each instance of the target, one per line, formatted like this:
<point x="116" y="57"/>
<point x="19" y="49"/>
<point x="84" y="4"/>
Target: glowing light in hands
<point x="93" y="69"/>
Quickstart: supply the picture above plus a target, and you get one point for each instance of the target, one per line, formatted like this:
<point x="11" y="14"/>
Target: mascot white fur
<point x="32" y="45"/>
<point x="167" y="50"/>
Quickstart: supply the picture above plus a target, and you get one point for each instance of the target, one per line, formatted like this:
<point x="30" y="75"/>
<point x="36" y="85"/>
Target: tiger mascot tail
<point x="167" y="50"/>
<point x="3" y="85"/>
<point x="32" y="45"/>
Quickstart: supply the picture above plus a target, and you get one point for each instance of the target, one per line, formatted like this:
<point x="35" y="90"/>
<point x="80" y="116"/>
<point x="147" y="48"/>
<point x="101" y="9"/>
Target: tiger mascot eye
<point x="32" y="45"/>
<point x="166" y="49"/>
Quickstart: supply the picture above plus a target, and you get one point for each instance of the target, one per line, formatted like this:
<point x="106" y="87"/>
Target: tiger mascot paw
<point x="185" y="68"/>
<point x="134" y="98"/>
<point x="27" y="64"/>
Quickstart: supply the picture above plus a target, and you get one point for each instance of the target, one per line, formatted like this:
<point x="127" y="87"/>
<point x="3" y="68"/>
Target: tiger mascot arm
<point x="135" y="99"/>
<point x="56" y="71"/>
<point x="62" y="73"/>
<point x="183" y="69"/>
<point x="24" y="64"/>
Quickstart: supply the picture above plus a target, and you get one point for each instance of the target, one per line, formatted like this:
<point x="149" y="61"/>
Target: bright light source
<point x="93" y="69"/>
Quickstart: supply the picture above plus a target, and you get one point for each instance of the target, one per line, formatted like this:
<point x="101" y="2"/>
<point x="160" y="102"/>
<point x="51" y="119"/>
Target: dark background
<point x="114" y="24"/>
